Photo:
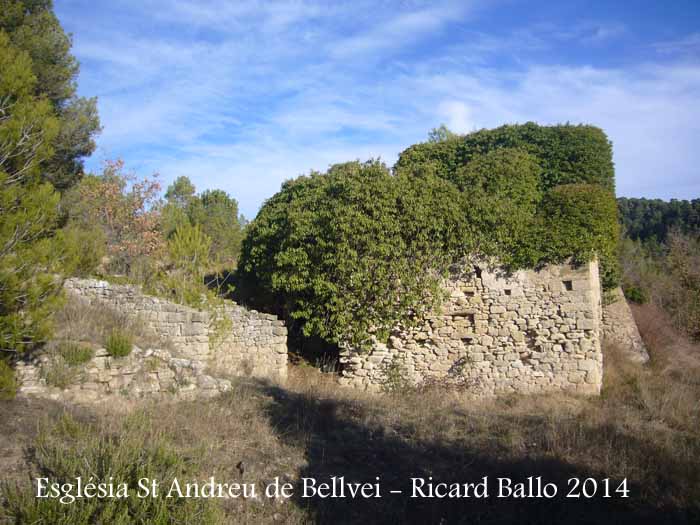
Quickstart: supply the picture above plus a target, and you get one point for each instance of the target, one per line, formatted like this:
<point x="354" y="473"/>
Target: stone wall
<point x="533" y="331"/>
<point x="620" y="328"/>
<point x="253" y="343"/>
<point x="150" y="373"/>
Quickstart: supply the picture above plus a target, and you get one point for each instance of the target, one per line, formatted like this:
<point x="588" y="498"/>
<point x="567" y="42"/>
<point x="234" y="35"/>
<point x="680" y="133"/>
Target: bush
<point x="118" y="344"/>
<point x="8" y="385"/>
<point x="71" y="448"/>
<point x="635" y="294"/>
<point x="58" y="373"/>
<point x="75" y="354"/>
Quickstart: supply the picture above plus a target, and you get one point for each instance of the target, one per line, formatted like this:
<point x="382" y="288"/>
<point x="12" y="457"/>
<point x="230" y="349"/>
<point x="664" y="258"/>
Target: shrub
<point x="58" y="373"/>
<point x="395" y="377"/>
<point x="8" y="385"/>
<point x="635" y="294"/>
<point x="70" y="448"/>
<point x="118" y="344"/>
<point x="75" y="354"/>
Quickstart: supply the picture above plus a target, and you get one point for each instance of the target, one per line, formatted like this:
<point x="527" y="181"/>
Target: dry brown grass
<point x="90" y="322"/>
<point x="644" y="427"/>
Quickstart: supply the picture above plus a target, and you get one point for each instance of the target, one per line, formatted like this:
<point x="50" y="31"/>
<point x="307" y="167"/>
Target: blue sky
<point x="241" y="95"/>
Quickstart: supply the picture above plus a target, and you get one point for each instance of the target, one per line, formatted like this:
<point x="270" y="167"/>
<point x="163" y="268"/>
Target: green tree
<point x="30" y="251"/>
<point x="189" y="250"/>
<point x="214" y="210"/>
<point x="348" y="254"/>
<point x="217" y="213"/>
<point x="567" y="154"/>
<point x="33" y="27"/>
<point x="581" y="222"/>
<point x="441" y="134"/>
<point x="653" y="219"/>
<point x="181" y="192"/>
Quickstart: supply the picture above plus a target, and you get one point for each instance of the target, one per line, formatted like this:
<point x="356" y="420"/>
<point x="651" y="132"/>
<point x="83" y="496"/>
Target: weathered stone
<point x="519" y="333"/>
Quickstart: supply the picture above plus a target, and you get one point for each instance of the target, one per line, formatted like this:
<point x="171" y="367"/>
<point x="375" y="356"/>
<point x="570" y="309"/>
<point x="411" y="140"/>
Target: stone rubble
<point x="142" y="374"/>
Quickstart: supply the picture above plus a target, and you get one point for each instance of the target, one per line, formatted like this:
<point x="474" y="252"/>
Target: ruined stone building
<point x="532" y="331"/>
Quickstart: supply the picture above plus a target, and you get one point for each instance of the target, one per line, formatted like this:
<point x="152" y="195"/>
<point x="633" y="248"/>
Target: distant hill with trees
<point x="653" y="219"/>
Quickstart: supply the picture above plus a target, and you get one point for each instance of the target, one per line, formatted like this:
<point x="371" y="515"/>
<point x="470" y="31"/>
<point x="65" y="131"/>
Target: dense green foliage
<point x="45" y="131"/>
<point x="349" y="253"/>
<point x="69" y="449"/>
<point x="501" y="198"/>
<point x="33" y="27"/>
<point x="653" y="219"/>
<point x="30" y="251"/>
<point x="214" y="211"/>
<point x="567" y="154"/>
<point x="581" y="222"/>
<point x="531" y="161"/>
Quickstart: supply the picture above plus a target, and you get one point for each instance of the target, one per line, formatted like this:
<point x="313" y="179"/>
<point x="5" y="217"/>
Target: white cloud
<point x="456" y="115"/>
<point x="242" y="95"/>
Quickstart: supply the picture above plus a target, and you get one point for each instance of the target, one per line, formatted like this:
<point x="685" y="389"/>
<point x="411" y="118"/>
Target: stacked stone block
<point x="153" y="374"/>
<point x="533" y="331"/>
<point x="254" y="344"/>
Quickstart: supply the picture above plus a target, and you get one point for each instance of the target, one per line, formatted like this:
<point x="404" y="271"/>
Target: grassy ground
<point x="644" y="427"/>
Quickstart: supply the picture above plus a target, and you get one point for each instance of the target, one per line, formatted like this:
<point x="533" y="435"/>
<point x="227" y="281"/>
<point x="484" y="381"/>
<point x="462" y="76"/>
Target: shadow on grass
<point x="339" y="444"/>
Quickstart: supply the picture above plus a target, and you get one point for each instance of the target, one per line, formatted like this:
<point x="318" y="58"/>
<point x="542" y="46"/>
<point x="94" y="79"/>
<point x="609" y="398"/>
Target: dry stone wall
<point x="252" y="343"/>
<point x="620" y="328"/>
<point x="153" y="374"/>
<point x="533" y="331"/>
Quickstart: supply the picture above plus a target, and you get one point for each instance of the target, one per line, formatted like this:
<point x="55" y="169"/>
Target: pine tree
<point x="30" y="250"/>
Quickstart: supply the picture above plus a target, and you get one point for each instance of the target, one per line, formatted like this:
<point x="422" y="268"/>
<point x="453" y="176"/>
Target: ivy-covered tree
<point x="502" y="194"/>
<point x="350" y="253"/>
<point x="580" y="221"/>
<point x="33" y="27"/>
<point x="567" y="154"/>
<point x="558" y="156"/>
